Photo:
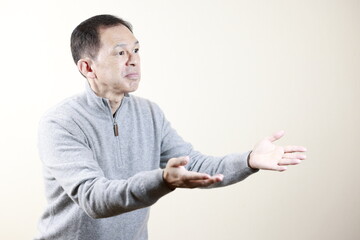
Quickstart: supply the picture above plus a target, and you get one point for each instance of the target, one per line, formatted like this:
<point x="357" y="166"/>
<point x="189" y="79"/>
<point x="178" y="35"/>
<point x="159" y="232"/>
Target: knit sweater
<point x="102" y="172"/>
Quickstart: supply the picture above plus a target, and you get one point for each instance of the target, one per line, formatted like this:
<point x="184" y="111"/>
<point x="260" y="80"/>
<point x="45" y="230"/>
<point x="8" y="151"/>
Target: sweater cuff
<point x="239" y="169"/>
<point x="248" y="162"/>
<point x="154" y="187"/>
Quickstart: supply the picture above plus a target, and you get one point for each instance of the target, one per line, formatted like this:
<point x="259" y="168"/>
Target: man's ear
<point x="85" y="67"/>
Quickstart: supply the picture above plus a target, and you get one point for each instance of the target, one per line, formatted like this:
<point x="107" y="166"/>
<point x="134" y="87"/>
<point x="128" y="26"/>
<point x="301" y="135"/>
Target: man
<point x="108" y="155"/>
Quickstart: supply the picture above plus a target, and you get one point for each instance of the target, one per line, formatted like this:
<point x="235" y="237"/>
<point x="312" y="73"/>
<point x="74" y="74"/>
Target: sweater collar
<point x="100" y="103"/>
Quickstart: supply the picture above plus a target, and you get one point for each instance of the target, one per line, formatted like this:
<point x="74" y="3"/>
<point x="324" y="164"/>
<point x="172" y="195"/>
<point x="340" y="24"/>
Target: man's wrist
<point x="166" y="183"/>
<point x="248" y="161"/>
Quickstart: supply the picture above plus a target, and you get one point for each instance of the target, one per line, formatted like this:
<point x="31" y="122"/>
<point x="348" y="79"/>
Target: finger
<point x="195" y="176"/>
<point x="281" y="168"/>
<point x="294" y="156"/>
<point x="218" y="177"/>
<point x="178" y="162"/>
<point x="289" y="161"/>
<point x="276" y="136"/>
<point x="204" y="183"/>
<point x="290" y="149"/>
<point x="197" y="184"/>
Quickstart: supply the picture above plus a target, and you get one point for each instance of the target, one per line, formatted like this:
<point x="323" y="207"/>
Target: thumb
<point x="276" y="136"/>
<point x="178" y="162"/>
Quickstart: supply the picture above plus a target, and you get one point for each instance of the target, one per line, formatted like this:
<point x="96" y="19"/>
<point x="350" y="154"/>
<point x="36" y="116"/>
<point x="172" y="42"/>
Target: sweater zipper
<point x="116" y="128"/>
<point x="115" y="125"/>
<point x="119" y="162"/>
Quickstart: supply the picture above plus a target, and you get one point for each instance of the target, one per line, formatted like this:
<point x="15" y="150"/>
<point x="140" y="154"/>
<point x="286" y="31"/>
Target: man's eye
<point x="136" y="50"/>
<point x="122" y="53"/>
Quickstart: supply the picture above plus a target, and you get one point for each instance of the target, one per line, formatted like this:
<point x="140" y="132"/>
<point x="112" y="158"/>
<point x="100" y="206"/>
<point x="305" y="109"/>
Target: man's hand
<point x="266" y="155"/>
<point x="176" y="176"/>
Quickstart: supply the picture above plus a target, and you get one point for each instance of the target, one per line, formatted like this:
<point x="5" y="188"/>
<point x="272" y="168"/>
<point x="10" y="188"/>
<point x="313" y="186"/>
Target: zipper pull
<point x="116" y="129"/>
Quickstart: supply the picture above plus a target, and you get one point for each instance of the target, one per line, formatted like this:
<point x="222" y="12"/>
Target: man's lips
<point x="132" y="75"/>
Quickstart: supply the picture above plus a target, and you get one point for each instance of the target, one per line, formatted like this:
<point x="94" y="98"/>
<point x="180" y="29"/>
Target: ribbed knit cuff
<point x="155" y="187"/>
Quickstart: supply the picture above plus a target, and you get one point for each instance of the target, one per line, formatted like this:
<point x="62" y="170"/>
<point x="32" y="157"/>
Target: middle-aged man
<point x="108" y="155"/>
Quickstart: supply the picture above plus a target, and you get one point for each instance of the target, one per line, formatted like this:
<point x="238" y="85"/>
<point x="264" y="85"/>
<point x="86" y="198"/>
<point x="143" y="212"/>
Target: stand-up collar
<point x="100" y="103"/>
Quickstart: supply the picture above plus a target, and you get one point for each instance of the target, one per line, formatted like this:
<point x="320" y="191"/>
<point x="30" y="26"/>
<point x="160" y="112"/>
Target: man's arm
<point x="69" y="161"/>
<point x="193" y="169"/>
<point x="184" y="167"/>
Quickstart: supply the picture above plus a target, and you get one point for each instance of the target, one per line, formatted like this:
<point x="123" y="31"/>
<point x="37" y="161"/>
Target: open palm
<point x="268" y="156"/>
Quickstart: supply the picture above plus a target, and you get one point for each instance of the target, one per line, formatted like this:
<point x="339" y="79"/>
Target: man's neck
<point x="114" y="98"/>
<point x="115" y="103"/>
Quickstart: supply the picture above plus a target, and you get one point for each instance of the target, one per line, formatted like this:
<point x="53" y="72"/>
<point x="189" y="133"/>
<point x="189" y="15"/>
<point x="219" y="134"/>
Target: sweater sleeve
<point x="234" y="167"/>
<point x="66" y="156"/>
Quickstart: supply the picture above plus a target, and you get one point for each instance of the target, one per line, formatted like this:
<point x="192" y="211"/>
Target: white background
<point x="226" y="73"/>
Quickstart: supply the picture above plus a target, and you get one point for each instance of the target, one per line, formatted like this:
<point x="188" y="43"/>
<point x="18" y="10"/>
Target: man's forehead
<point x="117" y="35"/>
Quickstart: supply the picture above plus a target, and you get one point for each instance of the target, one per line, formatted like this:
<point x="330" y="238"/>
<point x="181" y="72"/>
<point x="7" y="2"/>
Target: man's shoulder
<point x="145" y="104"/>
<point x="67" y="108"/>
<point x="140" y="100"/>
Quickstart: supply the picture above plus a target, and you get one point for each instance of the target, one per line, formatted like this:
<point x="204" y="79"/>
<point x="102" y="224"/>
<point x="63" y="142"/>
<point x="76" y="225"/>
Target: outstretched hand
<point x="176" y="176"/>
<point x="267" y="156"/>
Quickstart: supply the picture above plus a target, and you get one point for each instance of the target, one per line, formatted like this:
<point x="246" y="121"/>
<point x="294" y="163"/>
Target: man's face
<point x="117" y="65"/>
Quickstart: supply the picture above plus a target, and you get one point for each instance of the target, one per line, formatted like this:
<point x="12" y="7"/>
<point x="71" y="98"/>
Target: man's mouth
<point x="133" y="76"/>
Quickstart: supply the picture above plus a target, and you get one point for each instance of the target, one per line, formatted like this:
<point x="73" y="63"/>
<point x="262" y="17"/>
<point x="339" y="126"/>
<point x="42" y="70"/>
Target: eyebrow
<point x="124" y="44"/>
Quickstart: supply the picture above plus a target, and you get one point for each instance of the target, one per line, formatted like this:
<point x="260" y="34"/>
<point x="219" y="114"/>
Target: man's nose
<point x="132" y="60"/>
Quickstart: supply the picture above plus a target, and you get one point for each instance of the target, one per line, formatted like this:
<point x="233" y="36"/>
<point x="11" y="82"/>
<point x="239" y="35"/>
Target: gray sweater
<point x="102" y="172"/>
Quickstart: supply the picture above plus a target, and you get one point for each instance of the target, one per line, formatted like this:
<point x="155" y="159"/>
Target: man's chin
<point x="133" y="87"/>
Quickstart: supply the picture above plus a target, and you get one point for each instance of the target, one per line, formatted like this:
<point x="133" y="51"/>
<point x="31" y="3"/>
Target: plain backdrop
<point x="226" y="73"/>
